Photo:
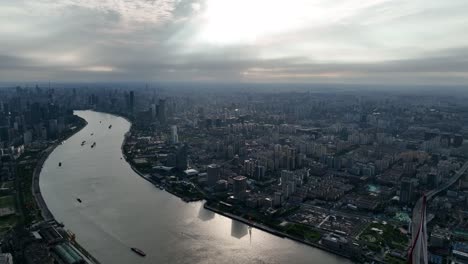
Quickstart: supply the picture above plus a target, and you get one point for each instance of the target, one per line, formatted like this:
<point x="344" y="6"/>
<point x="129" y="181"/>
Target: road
<point x="46" y="214"/>
<point x="417" y="207"/>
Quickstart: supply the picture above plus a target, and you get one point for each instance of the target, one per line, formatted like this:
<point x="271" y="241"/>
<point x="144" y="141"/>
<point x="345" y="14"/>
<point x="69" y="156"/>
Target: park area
<point x="8" y="217"/>
<point x="381" y="235"/>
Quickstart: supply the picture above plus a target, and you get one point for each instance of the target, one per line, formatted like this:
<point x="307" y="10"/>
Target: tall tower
<point x="131" y="103"/>
<point x="162" y="111"/>
<point x="406" y="190"/>
<point x="213" y="171"/>
<point x="153" y="111"/>
<point x="174" y="136"/>
<point x="182" y="157"/>
<point x="239" y="187"/>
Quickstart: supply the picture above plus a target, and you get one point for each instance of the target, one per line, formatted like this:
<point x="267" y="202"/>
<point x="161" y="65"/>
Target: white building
<point x="174" y="136"/>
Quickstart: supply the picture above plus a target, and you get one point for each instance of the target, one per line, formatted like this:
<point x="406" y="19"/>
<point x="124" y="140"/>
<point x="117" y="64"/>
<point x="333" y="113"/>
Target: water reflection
<point x="238" y="229"/>
<point x="120" y="210"/>
<point x="205" y="215"/>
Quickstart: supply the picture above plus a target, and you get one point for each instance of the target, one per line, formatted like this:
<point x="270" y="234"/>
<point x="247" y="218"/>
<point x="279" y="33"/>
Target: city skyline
<point x="355" y="42"/>
<point x="361" y="174"/>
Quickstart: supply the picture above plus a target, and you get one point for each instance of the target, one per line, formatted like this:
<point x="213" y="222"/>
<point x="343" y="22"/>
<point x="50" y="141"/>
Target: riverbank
<point x="273" y="231"/>
<point x="219" y="211"/>
<point x="45" y="212"/>
<point x="248" y="222"/>
<point x="105" y="221"/>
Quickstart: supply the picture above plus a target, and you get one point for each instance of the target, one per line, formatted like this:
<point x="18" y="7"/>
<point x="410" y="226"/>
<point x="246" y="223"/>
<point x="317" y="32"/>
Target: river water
<point x="120" y="210"/>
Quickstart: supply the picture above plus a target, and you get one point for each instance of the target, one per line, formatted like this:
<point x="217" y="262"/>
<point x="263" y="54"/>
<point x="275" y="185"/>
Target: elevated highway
<point x="416" y="218"/>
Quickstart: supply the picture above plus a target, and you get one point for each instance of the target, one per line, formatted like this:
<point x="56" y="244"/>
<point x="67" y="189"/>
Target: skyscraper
<point x="288" y="183"/>
<point x="174" y="136"/>
<point x="406" y="190"/>
<point x="153" y="112"/>
<point x="131" y="103"/>
<point x="259" y="172"/>
<point x="181" y="157"/>
<point x="213" y="171"/>
<point x="162" y="111"/>
<point x="433" y="180"/>
<point x="239" y="187"/>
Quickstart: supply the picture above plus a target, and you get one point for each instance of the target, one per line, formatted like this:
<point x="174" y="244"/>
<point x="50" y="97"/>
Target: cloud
<point x="145" y="11"/>
<point x="222" y="40"/>
<point x="445" y="67"/>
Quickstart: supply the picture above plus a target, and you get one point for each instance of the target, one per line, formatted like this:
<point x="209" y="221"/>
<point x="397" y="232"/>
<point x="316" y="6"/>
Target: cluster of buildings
<point x="332" y="162"/>
<point x="346" y="166"/>
<point x="31" y="120"/>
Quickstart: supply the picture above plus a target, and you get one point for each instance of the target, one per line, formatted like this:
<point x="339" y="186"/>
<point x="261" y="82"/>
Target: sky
<point x="298" y="41"/>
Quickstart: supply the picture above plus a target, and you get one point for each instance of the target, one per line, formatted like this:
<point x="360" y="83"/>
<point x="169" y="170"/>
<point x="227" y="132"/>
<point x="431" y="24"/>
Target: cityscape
<point x="233" y="132"/>
<point x="342" y="171"/>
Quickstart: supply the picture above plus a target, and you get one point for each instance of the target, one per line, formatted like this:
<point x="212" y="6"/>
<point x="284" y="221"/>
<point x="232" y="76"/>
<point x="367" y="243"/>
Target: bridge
<point x="418" y="227"/>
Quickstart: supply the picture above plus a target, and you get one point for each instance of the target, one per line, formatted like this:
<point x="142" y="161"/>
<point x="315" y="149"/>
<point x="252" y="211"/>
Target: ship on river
<point x="138" y="251"/>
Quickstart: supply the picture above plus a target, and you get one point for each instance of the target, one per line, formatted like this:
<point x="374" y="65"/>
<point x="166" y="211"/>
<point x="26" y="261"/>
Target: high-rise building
<point x="36" y="113"/>
<point x="162" y="111"/>
<point x="406" y="190"/>
<point x="291" y="158"/>
<point x="230" y="152"/>
<point x="433" y="180"/>
<point x="131" y="103"/>
<point x="457" y="140"/>
<point x="259" y="172"/>
<point x="182" y="157"/>
<point x="239" y="187"/>
<point x="4" y="134"/>
<point x="288" y="185"/>
<point x="278" y="199"/>
<point x="43" y="133"/>
<point x="27" y="137"/>
<point x="213" y="171"/>
<point x="153" y="111"/>
<point x="53" y="128"/>
<point x="174" y="136"/>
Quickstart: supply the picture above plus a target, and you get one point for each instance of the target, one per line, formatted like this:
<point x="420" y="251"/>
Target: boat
<point x="71" y="235"/>
<point x="94" y="144"/>
<point x="78" y="199"/>
<point x="92" y="134"/>
<point x="83" y="142"/>
<point x="60" y="164"/>
<point x="110" y="126"/>
<point x="138" y="251"/>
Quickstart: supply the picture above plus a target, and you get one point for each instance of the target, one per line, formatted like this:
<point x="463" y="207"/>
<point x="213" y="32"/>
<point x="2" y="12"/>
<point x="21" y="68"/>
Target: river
<point x="120" y="210"/>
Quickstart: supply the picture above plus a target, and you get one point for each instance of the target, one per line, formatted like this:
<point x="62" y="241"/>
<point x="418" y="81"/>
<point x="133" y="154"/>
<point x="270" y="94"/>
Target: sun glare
<point x="245" y="21"/>
<point x="248" y="21"/>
